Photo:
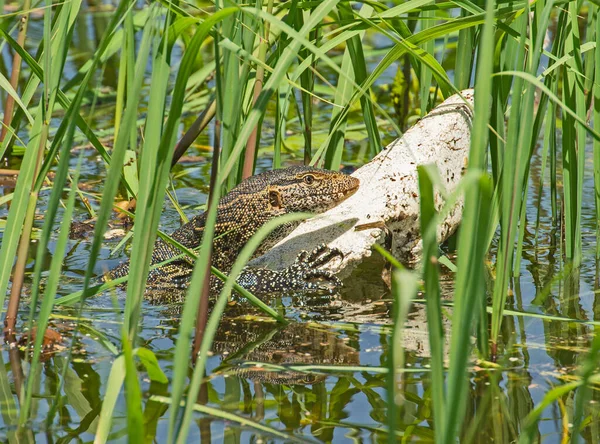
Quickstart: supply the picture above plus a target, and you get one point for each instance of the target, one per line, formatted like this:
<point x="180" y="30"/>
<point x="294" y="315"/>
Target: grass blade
<point x="113" y="389"/>
<point x="432" y="294"/>
<point x="404" y="289"/>
<point x="470" y="284"/>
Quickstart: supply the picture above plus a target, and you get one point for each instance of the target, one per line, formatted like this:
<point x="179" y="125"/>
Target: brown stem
<point x="204" y="423"/>
<point x="19" y="274"/>
<point x="192" y="133"/>
<point x="18" y="277"/>
<point x="250" y="153"/>
<point x="259" y="398"/>
<point x="308" y="133"/>
<point x="19" y="271"/>
<point x="16" y="367"/>
<point x="202" y="315"/>
<point x="405" y="93"/>
<point x="15" y="72"/>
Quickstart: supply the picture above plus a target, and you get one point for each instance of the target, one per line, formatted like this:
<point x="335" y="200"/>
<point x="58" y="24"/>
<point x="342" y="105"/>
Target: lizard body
<point x="240" y="214"/>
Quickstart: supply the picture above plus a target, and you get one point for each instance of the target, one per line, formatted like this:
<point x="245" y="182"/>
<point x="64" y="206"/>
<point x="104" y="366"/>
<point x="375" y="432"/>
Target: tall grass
<point x="276" y="66"/>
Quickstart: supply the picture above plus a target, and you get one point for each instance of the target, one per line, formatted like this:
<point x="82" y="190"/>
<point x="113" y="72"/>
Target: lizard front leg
<point x="304" y="275"/>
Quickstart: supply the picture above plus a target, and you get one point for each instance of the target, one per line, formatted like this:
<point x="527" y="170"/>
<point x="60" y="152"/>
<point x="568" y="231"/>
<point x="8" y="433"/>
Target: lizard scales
<point x="240" y="214"/>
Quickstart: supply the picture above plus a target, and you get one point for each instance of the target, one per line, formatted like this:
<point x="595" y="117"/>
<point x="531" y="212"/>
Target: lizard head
<point x="313" y="190"/>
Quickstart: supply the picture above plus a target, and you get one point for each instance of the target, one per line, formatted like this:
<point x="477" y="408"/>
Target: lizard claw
<point x="308" y="274"/>
<point x="320" y="256"/>
<point x="304" y="275"/>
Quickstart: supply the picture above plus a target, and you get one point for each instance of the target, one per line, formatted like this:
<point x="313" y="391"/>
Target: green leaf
<point x="149" y="361"/>
<point x="111" y="395"/>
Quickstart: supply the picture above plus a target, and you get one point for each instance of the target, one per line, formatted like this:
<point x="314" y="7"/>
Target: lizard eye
<point x="308" y="179"/>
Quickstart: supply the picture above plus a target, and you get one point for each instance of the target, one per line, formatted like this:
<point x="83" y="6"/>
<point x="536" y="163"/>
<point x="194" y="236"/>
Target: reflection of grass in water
<point x="142" y="68"/>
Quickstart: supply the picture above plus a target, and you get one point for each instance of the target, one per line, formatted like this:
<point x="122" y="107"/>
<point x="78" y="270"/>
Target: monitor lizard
<point x="240" y="214"/>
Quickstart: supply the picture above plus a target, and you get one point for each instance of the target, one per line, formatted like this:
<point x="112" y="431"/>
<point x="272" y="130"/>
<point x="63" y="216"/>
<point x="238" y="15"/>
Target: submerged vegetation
<point x="125" y="107"/>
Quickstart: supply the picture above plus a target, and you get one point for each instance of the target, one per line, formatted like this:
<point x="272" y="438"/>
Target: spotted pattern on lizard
<point x="240" y="214"/>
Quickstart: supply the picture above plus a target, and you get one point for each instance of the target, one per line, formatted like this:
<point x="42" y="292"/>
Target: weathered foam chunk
<point x="388" y="195"/>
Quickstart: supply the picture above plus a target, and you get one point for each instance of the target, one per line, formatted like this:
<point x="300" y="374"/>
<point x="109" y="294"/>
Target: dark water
<point x="322" y="377"/>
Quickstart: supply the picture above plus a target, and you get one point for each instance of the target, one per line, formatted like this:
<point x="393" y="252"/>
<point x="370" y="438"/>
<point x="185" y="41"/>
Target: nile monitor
<point x="240" y="213"/>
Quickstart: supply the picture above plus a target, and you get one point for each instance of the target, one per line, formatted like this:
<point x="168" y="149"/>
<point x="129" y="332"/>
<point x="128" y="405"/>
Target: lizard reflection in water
<point x="240" y="214"/>
<point x="295" y="344"/>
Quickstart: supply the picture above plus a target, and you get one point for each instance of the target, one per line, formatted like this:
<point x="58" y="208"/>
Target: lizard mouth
<point x="349" y="192"/>
<point x="345" y="194"/>
<point x="353" y="189"/>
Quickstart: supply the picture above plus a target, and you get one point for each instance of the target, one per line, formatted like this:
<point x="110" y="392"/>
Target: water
<point x="323" y="376"/>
